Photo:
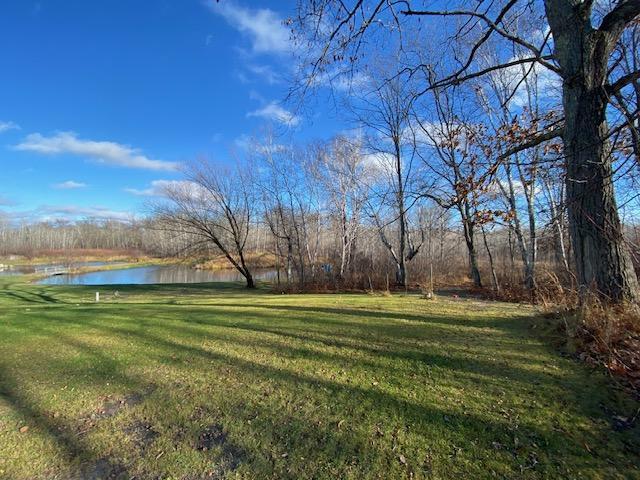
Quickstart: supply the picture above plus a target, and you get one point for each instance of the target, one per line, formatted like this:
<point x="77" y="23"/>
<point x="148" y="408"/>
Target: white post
<point x="97" y="297"/>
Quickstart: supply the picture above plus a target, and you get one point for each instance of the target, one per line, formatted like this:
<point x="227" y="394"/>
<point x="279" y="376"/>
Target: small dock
<point x="53" y="270"/>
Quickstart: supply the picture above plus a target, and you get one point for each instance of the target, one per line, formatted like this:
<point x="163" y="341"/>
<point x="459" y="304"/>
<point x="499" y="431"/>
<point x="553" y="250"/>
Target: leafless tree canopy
<point x="590" y="49"/>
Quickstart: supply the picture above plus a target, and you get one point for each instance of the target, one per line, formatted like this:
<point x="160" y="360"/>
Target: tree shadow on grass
<point x="326" y="314"/>
<point x="375" y="341"/>
<point x="270" y="371"/>
<point x="82" y="461"/>
<point x="29" y="296"/>
<point x="423" y="417"/>
<point x="153" y="328"/>
<point x="399" y="355"/>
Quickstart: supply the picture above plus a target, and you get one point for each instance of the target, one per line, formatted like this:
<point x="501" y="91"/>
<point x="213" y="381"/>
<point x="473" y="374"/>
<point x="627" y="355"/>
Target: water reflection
<point x="156" y="274"/>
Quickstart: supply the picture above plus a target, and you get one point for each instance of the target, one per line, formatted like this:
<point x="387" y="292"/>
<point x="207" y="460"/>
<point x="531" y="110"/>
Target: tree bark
<point x="401" y="271"/>
<point x="601" y="256"/>
<point x="494" y="276"/>
<point x="603" y="262"/>
<point x="469" y="234"/>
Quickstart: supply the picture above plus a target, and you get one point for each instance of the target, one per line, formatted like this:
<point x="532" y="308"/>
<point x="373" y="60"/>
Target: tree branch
<point x="618" y="18"/>
<point x="535" y="140"/>
<point x="622" y="82"/>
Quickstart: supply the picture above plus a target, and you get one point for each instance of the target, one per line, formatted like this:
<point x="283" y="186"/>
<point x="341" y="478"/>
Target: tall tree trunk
<point x="494" y="277"/>
<point x="469" y="234"/>
<point x="401" y="271"/>
<point x="555" y="210"/>
<point x="602" y="259"/>
<point x="527" y="248"/>
<point x="601" y="256"/>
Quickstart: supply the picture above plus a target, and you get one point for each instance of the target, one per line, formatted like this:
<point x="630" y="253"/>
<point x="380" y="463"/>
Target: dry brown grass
<point x="603" y="335"/>
<point x="254" y="260"/>
<point x="79" y="254"/>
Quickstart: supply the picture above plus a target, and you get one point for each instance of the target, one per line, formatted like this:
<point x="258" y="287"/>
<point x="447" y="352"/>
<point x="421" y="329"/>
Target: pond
<point x="156" y="274"/>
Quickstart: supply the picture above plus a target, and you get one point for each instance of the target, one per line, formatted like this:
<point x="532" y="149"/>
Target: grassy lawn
<point x="213" y="381"/>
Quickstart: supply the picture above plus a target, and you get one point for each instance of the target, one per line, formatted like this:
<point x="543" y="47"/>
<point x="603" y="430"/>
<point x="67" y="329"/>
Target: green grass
<point x="293" y="386"/>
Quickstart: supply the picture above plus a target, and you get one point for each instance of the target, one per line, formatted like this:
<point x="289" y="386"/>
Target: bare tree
<point x="214" y="207"/>
<point x="577" y="49"/>
<point x="385" y="113"/>
<point x="343" y="174"/>
<point x="290" y="206"/>
<point x="457" y="173"/>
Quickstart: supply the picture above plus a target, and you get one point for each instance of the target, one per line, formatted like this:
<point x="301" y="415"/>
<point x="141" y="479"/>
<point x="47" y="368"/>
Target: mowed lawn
<point x="212" y="381"/>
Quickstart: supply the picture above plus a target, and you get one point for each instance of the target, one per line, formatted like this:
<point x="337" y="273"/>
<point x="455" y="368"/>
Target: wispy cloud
<point x="274" y="112"/>
<point x="545" y="83"/>
<point x="6" y="126"/>
<point x="69" y="185"/>
<point x="265" y="73"/>
<point x="262" y="26"/>
<point x="343" y="81"/>
<point x="68" y="213"/>
<point x="74" y="212"/>
<point x="105" y="152"/>
<point x="158" y="188"/>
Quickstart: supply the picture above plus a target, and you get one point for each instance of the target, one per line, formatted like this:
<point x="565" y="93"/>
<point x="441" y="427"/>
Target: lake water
<point x="155" y="274"/>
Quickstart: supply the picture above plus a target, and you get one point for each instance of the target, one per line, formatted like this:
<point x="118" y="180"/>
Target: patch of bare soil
<point x="142" y="434"/>
<point x="214" y="436"/>
<point x="111" y="407"/>
<point x="103" y="469"/>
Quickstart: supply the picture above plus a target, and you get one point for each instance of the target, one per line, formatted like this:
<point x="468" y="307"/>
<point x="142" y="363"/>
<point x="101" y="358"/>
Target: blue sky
<point x="98" y="100"/>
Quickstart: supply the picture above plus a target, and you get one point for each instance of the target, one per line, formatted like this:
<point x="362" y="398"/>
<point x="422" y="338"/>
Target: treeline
<point x="30" y="238"/>
<point x="342" y="214"/>
<point x="337" y="215"/>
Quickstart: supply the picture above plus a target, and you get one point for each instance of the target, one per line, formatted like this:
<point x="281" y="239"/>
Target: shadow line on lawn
<point x="401" y="406"/>
<point x="423" y="416"/>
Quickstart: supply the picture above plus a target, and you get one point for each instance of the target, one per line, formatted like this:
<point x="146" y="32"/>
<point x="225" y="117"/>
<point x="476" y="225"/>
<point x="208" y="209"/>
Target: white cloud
<point x="273" y="111"/>
<point x="159" y="188"/>
<point x="65" y="213"/>
<point x="69" y="185"/>
<point x="497" y="186"/>
<point x="263" y="26"/>
<point x="242" y="141"/>
<point x="5" y="126"/>
<point x="69" y="213"/>
<point x="546" y="83"/>
<point x="266" y="73"/>
<point x="433" y="134"/>
<point x="253" y="145"/>
<point x="343" y="81"/>
<point x="108" y="153"/>
<point x="73" y="212"/>
<point x="378" y="162"/>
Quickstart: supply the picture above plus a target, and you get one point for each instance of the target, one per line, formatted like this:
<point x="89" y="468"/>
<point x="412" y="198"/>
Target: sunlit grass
<point x="293" y="386"/>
